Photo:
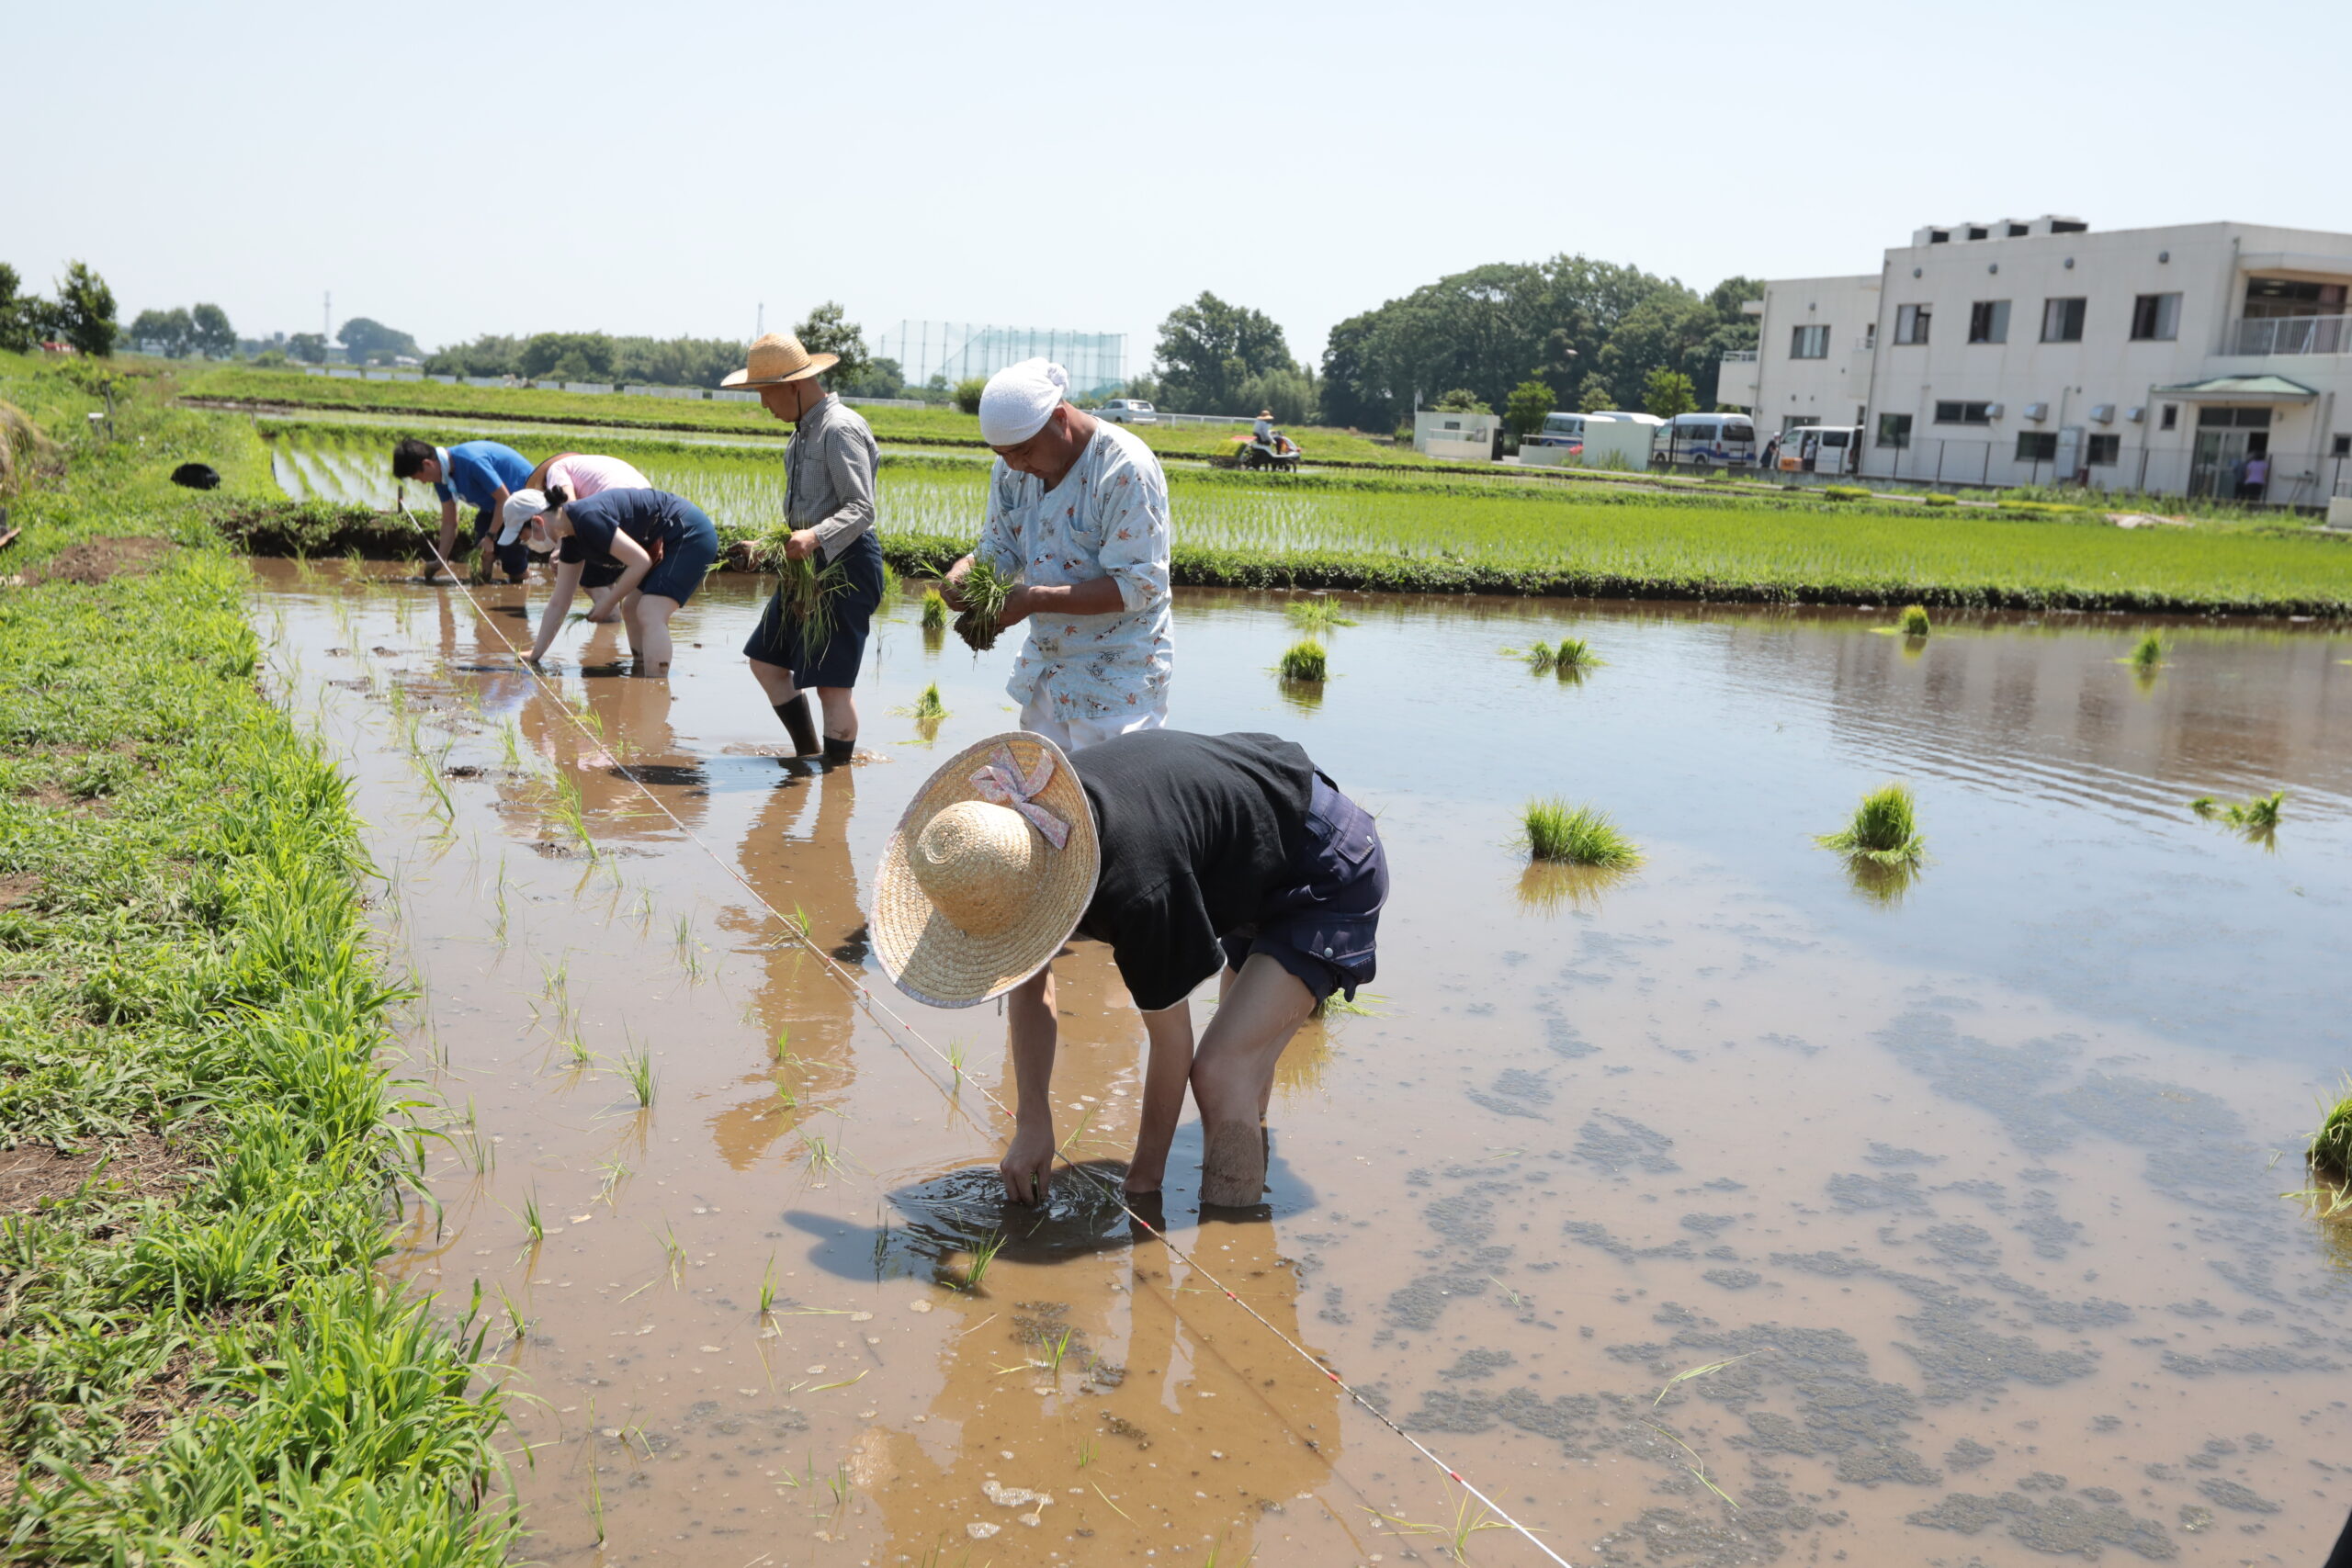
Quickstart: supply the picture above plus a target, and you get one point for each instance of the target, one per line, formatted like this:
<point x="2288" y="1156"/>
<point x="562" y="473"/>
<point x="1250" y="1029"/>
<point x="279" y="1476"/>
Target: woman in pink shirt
<point x="580" y="478"/>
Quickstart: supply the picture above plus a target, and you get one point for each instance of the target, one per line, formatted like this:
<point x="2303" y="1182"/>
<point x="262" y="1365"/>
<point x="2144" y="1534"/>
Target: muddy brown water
<point x="1975" y="1184"/>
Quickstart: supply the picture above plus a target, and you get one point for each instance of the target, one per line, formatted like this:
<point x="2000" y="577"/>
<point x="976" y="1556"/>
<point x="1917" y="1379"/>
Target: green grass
<point x="198" y="1362"/>
<point x="1305" y="661"/>
<point x="933" y="426"/>
<point x="1553" y="830"/>
<point x="1884" y="828"/>
<point x="1914" y="621"/>
<point x="1446" y="531"/>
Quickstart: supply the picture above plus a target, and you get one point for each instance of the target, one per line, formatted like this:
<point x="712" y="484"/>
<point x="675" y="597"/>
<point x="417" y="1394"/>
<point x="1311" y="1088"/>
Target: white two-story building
<point x="2034" y="350"/>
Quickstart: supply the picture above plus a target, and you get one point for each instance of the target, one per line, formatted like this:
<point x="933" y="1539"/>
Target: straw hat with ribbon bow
<point x="986" y="874"/>
<point x="777" y="358"/>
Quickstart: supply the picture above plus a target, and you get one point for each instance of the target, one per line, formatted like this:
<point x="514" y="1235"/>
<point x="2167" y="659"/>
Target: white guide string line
<point x="888" y="1021"/>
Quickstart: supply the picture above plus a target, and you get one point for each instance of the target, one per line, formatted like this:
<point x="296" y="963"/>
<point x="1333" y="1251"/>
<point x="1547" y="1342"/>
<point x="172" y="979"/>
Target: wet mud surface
<point x="1725" y="1213"/>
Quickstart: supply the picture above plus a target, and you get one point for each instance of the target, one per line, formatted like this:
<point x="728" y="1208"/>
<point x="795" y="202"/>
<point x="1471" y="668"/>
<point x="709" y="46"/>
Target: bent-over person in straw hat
<point x="829" y="502"/>
<point x="1188" y="854"/>
<point x="1077" y="515"/>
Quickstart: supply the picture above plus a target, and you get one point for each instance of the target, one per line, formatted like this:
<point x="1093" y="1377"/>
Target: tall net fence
<point x="1097" y="362"/>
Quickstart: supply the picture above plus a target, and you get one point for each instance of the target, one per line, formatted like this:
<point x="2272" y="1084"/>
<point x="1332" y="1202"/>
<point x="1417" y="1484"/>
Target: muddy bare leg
<point x="1233" y="1075"/>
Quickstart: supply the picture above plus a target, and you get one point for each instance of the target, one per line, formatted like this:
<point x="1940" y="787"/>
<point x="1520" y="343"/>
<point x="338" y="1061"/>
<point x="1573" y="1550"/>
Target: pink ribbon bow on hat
<point x="999" y="782"/>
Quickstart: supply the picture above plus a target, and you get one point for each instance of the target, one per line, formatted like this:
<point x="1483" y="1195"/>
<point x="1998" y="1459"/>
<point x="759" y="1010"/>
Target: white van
<point x="1709" y="441"/>
<point x="1821" y="449"/>
<point x="1563" y="430"/>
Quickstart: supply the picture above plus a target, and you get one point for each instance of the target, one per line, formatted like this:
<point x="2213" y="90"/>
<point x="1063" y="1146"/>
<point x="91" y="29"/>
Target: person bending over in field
<point x="625" y="527"/>
<point x="829" y="503"/>
<point x="580" y="476"/>
<point x="480" y="473"/>
<point x="1188" y="854"/>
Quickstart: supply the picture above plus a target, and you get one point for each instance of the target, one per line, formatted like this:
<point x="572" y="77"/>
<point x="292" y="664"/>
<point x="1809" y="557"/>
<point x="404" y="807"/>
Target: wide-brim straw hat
<point x="1038" y="895"/>
<point x="777" y="358"/>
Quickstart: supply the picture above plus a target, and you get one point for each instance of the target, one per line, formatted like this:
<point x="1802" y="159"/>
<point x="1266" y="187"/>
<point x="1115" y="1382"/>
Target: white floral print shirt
<point x="1107" y="518"/>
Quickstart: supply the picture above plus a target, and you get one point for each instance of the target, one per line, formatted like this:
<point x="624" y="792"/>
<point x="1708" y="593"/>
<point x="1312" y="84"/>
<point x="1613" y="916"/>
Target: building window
<point x="1989" y="322"/>
<point x="2106" y="451"/>
<point x="1870" y="336"/>
<point x="1911" y="322"/>
<point x="2037" y="446"/>
<point x="1809" y="343"/>
<point x="2343" y="447"/>
<point x="2171" y="420"/>
<point x="2232" y="419"/>
<point x="2061" y="321"/>
<point x="2155" y="318"/>
<point x="1895" y="429"/>
<point x="1963" y="414"/>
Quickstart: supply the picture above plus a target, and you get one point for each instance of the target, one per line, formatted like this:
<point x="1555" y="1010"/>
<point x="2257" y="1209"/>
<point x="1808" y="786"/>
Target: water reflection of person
<point x="1197" y="1426"/>
<point x="796" y="853"/>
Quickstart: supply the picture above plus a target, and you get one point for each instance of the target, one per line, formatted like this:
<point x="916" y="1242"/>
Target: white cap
<point x="1018" y="401"/>
<point x="520" y="508"/>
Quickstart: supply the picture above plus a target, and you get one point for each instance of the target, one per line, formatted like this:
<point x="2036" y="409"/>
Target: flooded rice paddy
<point x="1961" y="1198"/>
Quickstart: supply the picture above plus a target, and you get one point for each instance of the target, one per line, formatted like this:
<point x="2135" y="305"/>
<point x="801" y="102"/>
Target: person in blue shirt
<point x="480" y="473"/>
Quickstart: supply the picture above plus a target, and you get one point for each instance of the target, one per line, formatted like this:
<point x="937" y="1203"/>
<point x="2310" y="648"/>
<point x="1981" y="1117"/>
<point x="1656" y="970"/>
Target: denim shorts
<point x="685" y="561"/>
<point x="1320" y="922"/>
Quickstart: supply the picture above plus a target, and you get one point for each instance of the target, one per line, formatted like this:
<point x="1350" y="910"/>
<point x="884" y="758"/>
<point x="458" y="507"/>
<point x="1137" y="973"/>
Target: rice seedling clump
<point x="2259" y="813"/>
<point x="1885" y="828"/>
<point x="2149" y="653"/>
<point x="1914" y="621"/>
<point x="2331" y="1148"/>
<point x="1305" y="661"/>
<point x="934" y="611"/>
<point x="1575" y="835"/>
<point x="1573" y="653"/>
<point x="928" y="706"/>
<point x="1315" y="614"/>
<point x="984" y="591"/>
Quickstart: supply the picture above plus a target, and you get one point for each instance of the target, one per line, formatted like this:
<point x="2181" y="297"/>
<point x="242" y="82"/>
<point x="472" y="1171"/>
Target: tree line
<point x="1588" y="335"/>
<point x="670" y="362"/>
<point x="82" y="314"/>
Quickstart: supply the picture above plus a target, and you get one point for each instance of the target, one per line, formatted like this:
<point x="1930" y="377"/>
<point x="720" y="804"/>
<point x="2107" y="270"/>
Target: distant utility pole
<point x="326" y="317"/>
<point x="759" y="322"/>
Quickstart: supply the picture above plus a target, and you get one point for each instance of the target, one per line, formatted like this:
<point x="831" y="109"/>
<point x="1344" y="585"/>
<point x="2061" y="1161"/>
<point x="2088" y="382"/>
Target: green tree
<point x="566" y="356"/>
<point x="1462" y="400"/>
<point x="369" y="341"/>
<point x="1668" y="393"/>
<point x="211" y="333"/>
<point x="825" y="331"/>
<point x="168" y="332"/>
<point x="1209" y="348"/>
<point x="968" y="393"/>
<point x="85" y="310"/>
<point x="1288" y="395"/>
<point x="310" y="348"/>
<point x="489" y="354"/>
<point x="17" y="335"/>
<point x="1595" y="395"/>
<point x="1527" y="407"/>
<point x="879" y="378"/>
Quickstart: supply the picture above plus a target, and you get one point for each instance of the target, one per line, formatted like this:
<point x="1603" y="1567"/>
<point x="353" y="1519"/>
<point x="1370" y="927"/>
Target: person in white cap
<point x="579" y="475"/>
<point x="1077" y="516"/>
<point x="1189" y="854"/>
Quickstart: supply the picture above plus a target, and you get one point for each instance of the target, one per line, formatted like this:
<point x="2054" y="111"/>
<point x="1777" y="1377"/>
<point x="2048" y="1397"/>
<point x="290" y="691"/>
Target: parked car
<point x="1709" y="440"/>
<point x="1821" y="449"/>
<point x="1128" y="410"/>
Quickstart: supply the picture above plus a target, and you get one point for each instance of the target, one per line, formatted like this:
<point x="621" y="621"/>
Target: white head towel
<point x="1018" y="401"/>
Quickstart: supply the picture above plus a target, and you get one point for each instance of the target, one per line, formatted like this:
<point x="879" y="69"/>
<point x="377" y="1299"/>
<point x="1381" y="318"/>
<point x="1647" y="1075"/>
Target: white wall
<point x="1826" y="390"/>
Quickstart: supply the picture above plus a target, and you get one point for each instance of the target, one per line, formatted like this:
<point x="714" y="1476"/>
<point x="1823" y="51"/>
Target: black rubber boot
<point x="838" y="750"/>
<point x="800" y="724"/>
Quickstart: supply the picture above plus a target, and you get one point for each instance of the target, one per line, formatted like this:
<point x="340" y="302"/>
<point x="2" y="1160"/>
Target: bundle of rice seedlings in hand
<point x="1305" y="661"/>
<point x="984" y="591"/>
<point x="808" y="589"/>
<point x="934" y="611"/>
<point x="1885" y="828"/>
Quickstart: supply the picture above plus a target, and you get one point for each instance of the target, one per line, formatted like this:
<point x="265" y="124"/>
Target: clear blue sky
<point x="665" y="168"/>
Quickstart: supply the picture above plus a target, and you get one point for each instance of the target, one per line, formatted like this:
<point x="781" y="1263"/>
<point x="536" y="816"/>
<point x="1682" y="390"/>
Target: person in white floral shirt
<point x="1077" y="516"/>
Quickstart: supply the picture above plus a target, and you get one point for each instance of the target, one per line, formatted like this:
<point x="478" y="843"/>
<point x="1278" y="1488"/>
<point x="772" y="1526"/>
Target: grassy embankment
<point x="198" y="1361"/>
<point x="928" y="426"/>
<point x="1442" y="532"/>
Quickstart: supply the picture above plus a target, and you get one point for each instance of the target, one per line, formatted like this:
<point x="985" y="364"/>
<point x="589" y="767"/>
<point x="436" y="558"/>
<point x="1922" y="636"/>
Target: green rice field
<point x="1441" y="534"/>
